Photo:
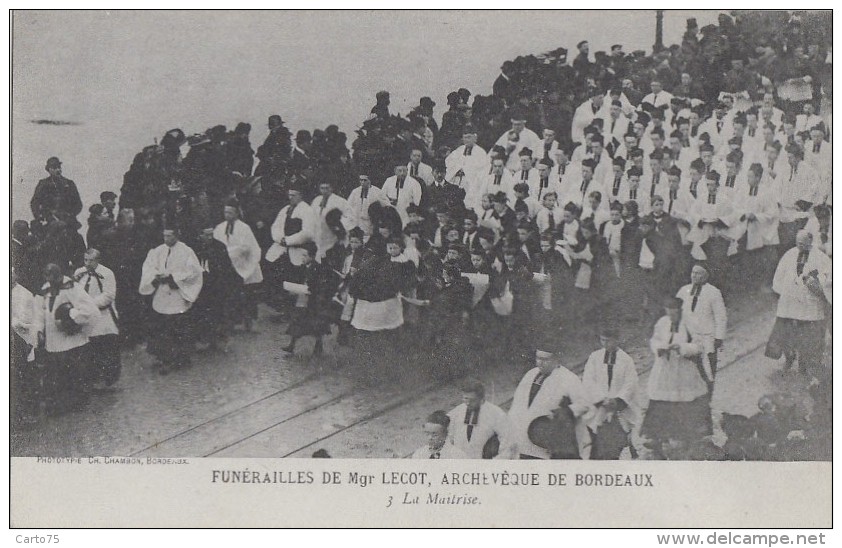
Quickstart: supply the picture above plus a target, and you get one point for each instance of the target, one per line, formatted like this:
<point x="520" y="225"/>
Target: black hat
<point x="439" y="417"/>
<point x="635" y="171"/>
<point x="589" y="162"/>
<point x="426" y="102"/>
<point x="65" y="322"/>
<point x="546" y="162"/>
<point x="53" y="163"/>
<point x="598" y="138"/>
<point x="675" y="171"/>
<point x="525" y="151"/>
<point x="556" y="434"/>
<point x="619" y="161"/>
<point x="656" y="155"/>
<point x="500" y="197"/>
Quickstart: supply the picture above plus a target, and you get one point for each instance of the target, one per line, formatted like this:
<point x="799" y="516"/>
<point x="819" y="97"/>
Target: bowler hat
<point x="53" y="163"/>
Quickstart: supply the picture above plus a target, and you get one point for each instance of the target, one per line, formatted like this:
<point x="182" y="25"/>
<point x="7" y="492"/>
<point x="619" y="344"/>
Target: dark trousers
<point x="171" y="341"/>
<point x="66" y="379"/>
<point x="23" y="396"/>
<point x="105" y="359"/>
<point x="803" y="340"/>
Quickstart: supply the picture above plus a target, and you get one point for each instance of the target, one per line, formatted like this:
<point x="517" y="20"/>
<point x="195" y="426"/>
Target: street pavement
<point x="257" y="401"/>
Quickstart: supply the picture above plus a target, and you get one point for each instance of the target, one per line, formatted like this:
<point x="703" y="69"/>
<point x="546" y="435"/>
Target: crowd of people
<point x="576" y="195"/>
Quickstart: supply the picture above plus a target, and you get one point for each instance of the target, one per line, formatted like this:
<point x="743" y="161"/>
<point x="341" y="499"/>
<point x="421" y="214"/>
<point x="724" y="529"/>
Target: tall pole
<point x="659" y="31"/>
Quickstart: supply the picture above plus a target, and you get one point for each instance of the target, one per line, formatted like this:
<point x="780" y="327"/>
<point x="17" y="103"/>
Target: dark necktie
<point x="771" y="168"/>
<point x="594" y="108"/>
<point x="497" y="180"/>
<point x="398" y="188"/>
<point x="290" y="210"/>
<point x="817" y="147"/>
<point x="536" y="387"/>
<point x="823" y="236"/>
<point x="609" y="360"/>
<point x="471" y="419"/>
<point x="792" y="172"/>
<point x="654" y="187"/>
<point x="616" y="188"/>
<point x="718" y="126"/>
<point x="633" y="194"/>
<point x="229" y="230"/>
<point x="468" y="151"/>
<point x="323" y="205"/>
<point x="695" y="292"/>
<point x="414" y="170"/>
<point x="524" y="175"/>
<point x="584" y="187"/>
<point x="729" y="181"/>
<point x="673" y="331"/>
<point x="712" y="199"/>
<point x="363" y="193"/>
<point x="751" y="132"/>
<point x="547" y="147"/>
<point x="693" y="188"/>
<point x="752" y="190"/>
<point x="167" y="260"/>
<point x="91" y="275"/>
<point x="802" y="261"/>
<point x="551" y="220"/>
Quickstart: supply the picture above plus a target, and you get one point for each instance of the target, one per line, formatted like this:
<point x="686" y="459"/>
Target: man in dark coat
<point x="222" y="291"/>
<point x="55" y="195"/>
<point x="239" y="152"/>
<point x="275" y="151"/>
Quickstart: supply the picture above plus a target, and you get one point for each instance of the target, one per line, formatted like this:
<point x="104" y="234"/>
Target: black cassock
<point x="222" y="294"/>
<point x="315" y="319"/>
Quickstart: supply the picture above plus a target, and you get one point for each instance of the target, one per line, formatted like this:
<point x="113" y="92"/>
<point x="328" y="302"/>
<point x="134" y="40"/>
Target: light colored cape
<point x="243" y="250"/>
<point x="184" y="268"/>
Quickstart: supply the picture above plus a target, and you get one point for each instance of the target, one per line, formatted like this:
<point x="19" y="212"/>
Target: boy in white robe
<point x="540" y="393"/>
<point x="438" y="445"/>
<point x="244" y="252"/>
<point x="756" y="210"/>
<point x="610" y="384"/>
<point x="475" y="421"/>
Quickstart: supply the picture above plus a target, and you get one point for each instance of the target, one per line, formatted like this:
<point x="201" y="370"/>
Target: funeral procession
<point x="595" y="252"/>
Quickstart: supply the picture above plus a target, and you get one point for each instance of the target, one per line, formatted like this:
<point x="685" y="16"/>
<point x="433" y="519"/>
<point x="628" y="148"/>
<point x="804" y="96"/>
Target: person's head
<point x="545" y="361"/>
<point x="415" y="156"/>
<point x="598" y="99"/>
<point x="588" y="166"/>
<point x="486" y="202"/>
<point x="521" y="190"/>
<point x="544" y="168"/>
<point x="595" y="199"/>
<point x="630" y="140"/>
<point x="442" y="216"/>
<point x="473" y="393"/>
<point x="394" y="246"/>
<point x="510" y="254"/>
<point x="630" y="209"/>
<point x="697" y="168"/>
<point x="295" y="196"/>
<point x="548" y="135"/>
<point x="597" y="145"/>
<point x="518" y="125"/>
<point x="53" y="274"/>
<point x="435" y="427"/>
<point x="170" y="236"/>
<point x="414" y="214"/>
<point x="647" y="225"/>
<point x="469" y="223"/>
<point x="497" y="166"/>
<point x="655" y="158"/>
<point x="634" y="175"/>
<point x="500" y="202"/>
<point x="486" y="238"/>
<point x="206" y="235"/>
<point x="583" y="47"/>
<point x="609" y="338"/>
<point x="706" y="154"/>
<point x="98" y="212"/>
<point x="469" y="137"/>
<point x="274" y="122"/>
<point x="477" y="259"/>
<point x="570" y="212"/>
<point x="616" y="212"/>
<point x="108" y="199"/>
<point x="732" y="163"/>
<point x="674" y="177"/>
<point x="91" y="259"/>
<point x="231" y="211"/>
<point x="525" y="158"/>
<point x="672" y="306"/>
<point x="804" y="240"/>
<point x="453" y="255"/>
<point x="53" y="167"/>
<point x="656" y="86"/>
<point x="401" y="171"/>
<point x="808" y="109"/>
<point x="817" y="133"/>
<point x="699" y="274"/>
<point x="310" y="250"/>
<point x="657" y="205"/>
<point x="637" y="158"/>
<point x="20" y="230"/>
<point x="549" y="200"/>
<point x="524" y="231"/>
<point x="451" y="233"/>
